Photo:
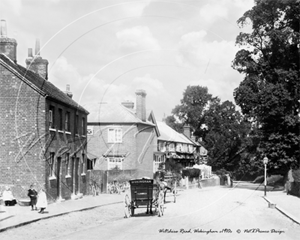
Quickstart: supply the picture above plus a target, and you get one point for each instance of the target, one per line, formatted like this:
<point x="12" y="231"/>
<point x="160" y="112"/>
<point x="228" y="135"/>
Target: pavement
<point x="16" y="216"/>
<point x="288" y="205"/>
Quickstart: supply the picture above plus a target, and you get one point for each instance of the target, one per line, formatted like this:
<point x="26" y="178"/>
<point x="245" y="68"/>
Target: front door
<point x="58" y="183"/>
<point x="76" y="176"/>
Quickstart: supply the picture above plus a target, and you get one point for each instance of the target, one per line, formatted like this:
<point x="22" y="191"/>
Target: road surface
<point x="208" y="213"/>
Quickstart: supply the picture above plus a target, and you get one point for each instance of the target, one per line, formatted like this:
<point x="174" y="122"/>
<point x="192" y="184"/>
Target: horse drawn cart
<point x="143" y="193"/>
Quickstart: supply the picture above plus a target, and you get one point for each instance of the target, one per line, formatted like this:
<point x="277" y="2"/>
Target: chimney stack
<point x="187" y="130"/>
<point x="141" y="104"/>
<point x="8" y="46"/>
<point x="37" y="64"/>
<point x="68" y="91"/>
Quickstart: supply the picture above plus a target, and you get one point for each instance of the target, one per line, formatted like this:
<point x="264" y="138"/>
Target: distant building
<point x="43" y="131"/>
<point x="123" y="137"/>
<point x="177" y="146"/>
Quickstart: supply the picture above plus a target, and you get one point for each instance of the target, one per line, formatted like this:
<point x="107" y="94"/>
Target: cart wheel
<point x="160" y="204"/>
<point x="127" y="207"/>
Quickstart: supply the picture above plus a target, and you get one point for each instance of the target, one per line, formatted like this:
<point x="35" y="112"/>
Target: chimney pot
<point x="68" y="91"/>
<point x="3" y="29"/>
<point x="8" y="46"/>
<point x="37" y="47"/>
<point x="37" y="64"/>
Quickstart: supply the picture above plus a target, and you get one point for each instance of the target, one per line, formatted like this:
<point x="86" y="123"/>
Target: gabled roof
<point x="113" y="113"/>
<point x="169" y="134"/>
<point x="39" y="84"/>
<point x="152" y="119"/>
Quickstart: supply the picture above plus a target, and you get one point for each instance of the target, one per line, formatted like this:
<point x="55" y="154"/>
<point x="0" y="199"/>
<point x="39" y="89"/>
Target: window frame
<point x="60" y="119"/>
<point x="67" y="121"/>
<point x="114" y="135"/>
<point x="117" y="161"/>
<point x="52" y="165"/>
<point x="51" y="116"/>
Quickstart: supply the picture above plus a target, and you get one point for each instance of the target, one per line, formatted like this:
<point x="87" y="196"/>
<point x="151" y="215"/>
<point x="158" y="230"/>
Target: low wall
<point x="207" y="182"/>
<point x="210" y="182"/>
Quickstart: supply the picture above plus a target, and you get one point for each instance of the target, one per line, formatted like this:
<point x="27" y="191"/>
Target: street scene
<point x="149" y="119"/>
<point x="209" y="213"/>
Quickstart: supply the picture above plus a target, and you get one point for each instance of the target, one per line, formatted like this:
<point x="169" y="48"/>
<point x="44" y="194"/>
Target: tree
<point x="190" y="111"/>
<point x="220" y="126"/>
<point x="226" y="136"/>
<point x="171" y="122"/>
<point x="269" y="94"/>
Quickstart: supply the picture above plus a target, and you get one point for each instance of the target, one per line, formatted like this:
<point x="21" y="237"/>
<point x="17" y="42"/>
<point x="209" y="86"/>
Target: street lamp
<point x="265" y="161"/>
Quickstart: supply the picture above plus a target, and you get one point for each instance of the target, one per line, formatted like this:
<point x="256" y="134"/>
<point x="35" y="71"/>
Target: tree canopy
<point x="269" y="94"/>
<point x="218" y="126"/>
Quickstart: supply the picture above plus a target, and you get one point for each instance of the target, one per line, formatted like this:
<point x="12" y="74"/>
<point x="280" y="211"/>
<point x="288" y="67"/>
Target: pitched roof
<point x="39" y="84"/>
<point x="169" y="134"/>
<point x="115" y="114"/>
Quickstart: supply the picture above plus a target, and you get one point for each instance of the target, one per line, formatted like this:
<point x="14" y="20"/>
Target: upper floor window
<point x="83" y="126"/>
<point x="178" y="147"/>
<point x="171" y="147"/>
<point x="76" y="123"/>
<point x="51" y="117"/>
<point x="67" y="122"/>
<point x="114" y="135"/>
<point x="60" y="119"/>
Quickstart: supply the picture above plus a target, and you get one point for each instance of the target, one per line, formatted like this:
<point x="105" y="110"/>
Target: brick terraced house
<point x="43" y="130"/>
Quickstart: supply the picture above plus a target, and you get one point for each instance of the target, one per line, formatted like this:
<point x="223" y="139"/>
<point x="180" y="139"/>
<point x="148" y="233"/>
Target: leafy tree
<point x="269" y="94"/>
<point x="171" y="122"/>
<point x="190" y="111"/>
<point x="219" y="126"/>
<point x="226" y="135"/>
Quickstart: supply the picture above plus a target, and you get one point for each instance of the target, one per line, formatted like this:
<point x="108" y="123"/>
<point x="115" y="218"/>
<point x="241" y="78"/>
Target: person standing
<point x="32" y="194"/>
<point x="290" y="181"/>
<point x="42" y="201"/>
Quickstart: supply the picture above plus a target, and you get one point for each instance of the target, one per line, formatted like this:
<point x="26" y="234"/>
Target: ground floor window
<point x="115" y="162"/>
<point x="52" y="165"/>
<point x="158" y="160"/>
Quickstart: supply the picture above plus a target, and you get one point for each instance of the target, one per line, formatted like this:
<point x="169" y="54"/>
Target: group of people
<point x="37" y="200"/>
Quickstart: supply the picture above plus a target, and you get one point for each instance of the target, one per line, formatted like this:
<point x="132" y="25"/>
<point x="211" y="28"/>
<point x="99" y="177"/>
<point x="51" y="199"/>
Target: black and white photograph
<point x="149" y="119"/>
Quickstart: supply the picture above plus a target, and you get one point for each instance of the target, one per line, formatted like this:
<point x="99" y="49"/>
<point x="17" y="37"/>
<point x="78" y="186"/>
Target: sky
<point x="108" y="49"/>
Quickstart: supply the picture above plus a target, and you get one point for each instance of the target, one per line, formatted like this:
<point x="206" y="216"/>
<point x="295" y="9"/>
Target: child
<point x="32" y="193"/>
<point x="42" y="201"/>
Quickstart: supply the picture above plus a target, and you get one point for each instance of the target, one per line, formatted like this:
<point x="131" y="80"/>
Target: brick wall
<point x="69" y="149"/>
<point x="26" y="142"/>
<point x="98" y="145"/>
<point x="22" y="129"/>
<point x="146" y="141"/>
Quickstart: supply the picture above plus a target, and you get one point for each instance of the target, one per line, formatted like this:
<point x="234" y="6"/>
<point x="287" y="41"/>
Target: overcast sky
<point x="107" y="49"/>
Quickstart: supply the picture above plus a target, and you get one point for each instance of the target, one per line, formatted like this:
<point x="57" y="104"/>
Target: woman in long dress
<point x="42" y="201"/>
